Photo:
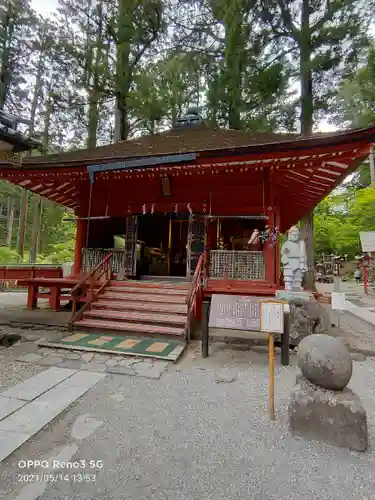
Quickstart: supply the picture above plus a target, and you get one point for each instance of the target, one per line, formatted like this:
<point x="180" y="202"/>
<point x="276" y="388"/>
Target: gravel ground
<point x="11" y="372"/>
<point x="201" y="432"/>
<point x="357" y="333"/>
<point x="16" y="300"/>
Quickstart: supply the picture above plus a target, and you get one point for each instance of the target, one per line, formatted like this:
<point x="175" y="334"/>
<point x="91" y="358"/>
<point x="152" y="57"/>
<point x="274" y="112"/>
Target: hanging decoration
<point x="189" y="208"/>
<point x="270" y="236"/>
<point x="204" y="207"/>
<point x="153" y="208"/>
<point x="144" y="209"/>
<point x="176" y="208"/>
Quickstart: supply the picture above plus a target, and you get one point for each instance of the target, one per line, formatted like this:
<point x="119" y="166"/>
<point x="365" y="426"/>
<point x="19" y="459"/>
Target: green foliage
<point x="60" y="252"/>
<point x="340" y="218"/>
<point x="8" y="256"/>
<point x="355" y="102"/>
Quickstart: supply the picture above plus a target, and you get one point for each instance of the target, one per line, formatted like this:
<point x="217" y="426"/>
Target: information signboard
<point x="235" y="312"/>
<point x="272" y="317"/>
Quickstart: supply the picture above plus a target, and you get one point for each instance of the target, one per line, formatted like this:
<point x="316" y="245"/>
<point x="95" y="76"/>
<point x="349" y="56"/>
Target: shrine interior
<point x="234" y="233"/>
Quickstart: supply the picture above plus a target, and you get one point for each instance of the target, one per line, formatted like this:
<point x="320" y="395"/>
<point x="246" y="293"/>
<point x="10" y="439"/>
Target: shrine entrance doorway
<point x="162" y="245"/>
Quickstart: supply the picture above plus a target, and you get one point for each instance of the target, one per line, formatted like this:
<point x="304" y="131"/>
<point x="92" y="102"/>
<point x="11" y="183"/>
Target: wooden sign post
<point x="271" y="322"/>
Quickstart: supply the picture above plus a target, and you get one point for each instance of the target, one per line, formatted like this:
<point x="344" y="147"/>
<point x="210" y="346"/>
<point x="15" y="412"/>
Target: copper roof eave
<point x="336" y="139"/>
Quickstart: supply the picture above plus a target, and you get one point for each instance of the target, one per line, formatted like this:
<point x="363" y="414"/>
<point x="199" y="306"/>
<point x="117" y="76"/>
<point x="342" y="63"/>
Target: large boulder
<point x="325" y="361"/>
<point x="335" y="417"/>
<point x="306" y="317"/>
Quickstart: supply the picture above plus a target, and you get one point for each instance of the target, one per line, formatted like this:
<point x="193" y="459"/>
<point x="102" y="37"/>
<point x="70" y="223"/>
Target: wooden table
<point x="56" y="285"/>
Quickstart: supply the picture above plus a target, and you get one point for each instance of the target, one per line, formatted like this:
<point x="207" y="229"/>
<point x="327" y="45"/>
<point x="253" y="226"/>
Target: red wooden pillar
<point x="80" y="244"/>
<point x="270" y="251"/>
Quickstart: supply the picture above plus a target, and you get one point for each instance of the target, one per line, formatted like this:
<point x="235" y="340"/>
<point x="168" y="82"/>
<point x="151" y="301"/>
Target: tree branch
<point x="287" y="20"/>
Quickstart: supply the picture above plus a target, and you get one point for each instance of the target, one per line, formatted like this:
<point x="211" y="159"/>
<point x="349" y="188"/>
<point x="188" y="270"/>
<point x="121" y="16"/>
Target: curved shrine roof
<point x="202" y="140"/>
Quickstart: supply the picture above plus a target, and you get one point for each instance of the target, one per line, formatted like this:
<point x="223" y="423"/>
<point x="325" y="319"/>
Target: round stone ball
<point x="325" y="361"/>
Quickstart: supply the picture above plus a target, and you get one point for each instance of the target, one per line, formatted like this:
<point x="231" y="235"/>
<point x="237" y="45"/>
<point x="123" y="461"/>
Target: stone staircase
<point x="150" y="308"/>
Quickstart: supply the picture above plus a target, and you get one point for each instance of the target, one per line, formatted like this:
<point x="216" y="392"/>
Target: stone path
<point x="30" y="352"/>
<point x="29" y="406"/>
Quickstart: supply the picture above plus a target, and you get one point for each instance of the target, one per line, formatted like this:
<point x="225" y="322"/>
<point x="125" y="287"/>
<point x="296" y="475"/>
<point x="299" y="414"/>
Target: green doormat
<point x="116" y="344"/>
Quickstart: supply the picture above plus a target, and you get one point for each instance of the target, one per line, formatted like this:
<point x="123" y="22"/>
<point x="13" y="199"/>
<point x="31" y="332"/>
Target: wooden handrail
<point x="194" y="294"/>
<point x="92" y="272"/>
<point x="197" y="275"/>
<point x="86" y="287"/>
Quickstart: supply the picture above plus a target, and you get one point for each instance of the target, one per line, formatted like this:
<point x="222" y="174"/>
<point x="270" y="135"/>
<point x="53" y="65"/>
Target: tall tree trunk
<point x="39" y="237"/>
<point x="92" y="119"/>
<point x="35" y="230"/>
<point x="123" y="69"/>
<point x="307" y="106"/>
<point x="234" y="63"/>
<point x="5" y="61"/>
<point x="22" y="223"/>
<point x="47" y="121"/>
<point x="91" y="79"/>
<point x="36" y="201"/>
<point x="10" y="221"/>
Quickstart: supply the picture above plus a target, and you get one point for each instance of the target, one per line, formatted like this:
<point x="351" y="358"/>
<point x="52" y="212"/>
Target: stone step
<point x="156" y="297"/>
<point x="140" y="306"/>
<point x="132" y="328"/>
<point x="149" y="284"/>
<point x="157" y="318"/>
<point x="138" y="289"/>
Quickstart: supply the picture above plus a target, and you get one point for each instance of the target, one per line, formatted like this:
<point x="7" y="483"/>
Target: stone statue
<point x="293" y="258"/>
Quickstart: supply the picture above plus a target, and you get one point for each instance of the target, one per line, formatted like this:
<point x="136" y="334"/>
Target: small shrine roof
<point x="16" y="141"/>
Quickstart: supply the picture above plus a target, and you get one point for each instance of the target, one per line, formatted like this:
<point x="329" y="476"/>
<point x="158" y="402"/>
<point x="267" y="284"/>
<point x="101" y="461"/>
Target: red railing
<point x="195" y="296"/>
<point x="90" y="287"/>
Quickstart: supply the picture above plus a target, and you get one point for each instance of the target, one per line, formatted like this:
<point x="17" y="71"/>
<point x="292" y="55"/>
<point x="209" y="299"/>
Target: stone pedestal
<point x="335" y="417"/>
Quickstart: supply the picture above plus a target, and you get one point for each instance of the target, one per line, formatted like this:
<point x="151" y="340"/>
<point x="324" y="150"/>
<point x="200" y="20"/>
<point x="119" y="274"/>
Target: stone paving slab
<point x="73" y="364"/>
<point x="10" y="441"/>
<point x="31" y="418"/>
<point x="361" y="312"/>
<point x="50" y="360"/>
<point x="9" y="405"/>
<point x="37" y="385"/>
<point x="31" y="357"/>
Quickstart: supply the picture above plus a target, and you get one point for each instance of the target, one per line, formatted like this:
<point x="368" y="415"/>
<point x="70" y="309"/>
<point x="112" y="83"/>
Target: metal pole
<point x="271" y="395"/>
<point x="169" y="246"/>
<point x="285" y="341"/>
<point x="205" y="336"/>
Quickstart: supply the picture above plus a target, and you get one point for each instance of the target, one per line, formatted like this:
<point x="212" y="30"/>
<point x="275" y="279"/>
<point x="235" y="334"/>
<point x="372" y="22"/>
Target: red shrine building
<point x="158" y="203"/>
